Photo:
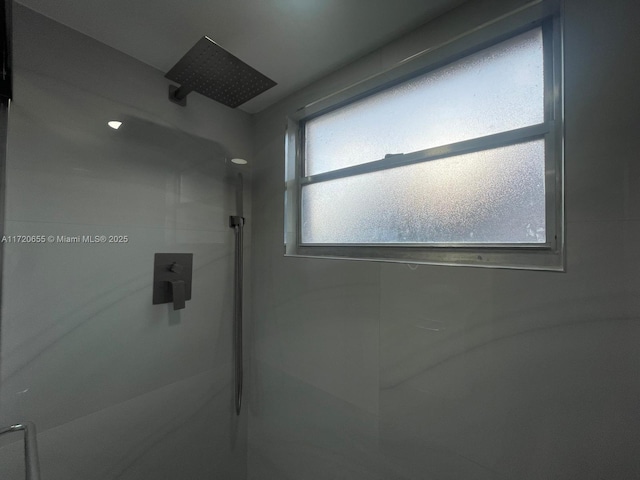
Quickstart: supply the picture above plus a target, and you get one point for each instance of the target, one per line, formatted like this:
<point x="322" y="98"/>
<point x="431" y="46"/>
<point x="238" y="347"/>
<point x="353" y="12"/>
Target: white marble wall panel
<point x="601" y="141"/>
<point x="182" y="430"/>
<point x="302" y="432"/>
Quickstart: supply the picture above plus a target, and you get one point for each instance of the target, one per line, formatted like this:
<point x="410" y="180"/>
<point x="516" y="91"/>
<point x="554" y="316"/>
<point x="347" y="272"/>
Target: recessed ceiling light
<point x="114" y="124"/>
<point x="239" y="161"/>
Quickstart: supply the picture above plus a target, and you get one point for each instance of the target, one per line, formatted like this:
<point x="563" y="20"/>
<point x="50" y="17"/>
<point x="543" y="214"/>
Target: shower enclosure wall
<point x="118" y="387"/>
<point x="368" y="371"/>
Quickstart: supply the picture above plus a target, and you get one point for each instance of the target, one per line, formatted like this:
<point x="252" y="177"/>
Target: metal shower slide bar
<point x="31" y="462"/>
<point x="237" y="223"/>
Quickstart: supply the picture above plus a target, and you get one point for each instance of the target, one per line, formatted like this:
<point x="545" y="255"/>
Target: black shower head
<point x="212" y="71"/>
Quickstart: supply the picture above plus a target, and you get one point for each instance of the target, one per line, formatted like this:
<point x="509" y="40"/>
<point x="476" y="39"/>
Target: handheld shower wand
<point x="237" y="223"/>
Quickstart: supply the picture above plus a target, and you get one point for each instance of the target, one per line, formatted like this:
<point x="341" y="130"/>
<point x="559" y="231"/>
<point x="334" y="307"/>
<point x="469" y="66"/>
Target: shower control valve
<point x="172" y="275"/>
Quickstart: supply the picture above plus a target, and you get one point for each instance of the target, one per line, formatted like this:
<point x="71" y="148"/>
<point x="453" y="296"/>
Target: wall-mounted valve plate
<point x="172" y="274"/>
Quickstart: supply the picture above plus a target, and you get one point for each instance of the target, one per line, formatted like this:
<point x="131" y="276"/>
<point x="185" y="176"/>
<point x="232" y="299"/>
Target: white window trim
<point x="545" y="256"/>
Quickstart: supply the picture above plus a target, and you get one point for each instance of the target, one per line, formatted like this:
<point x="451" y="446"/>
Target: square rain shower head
<point x="210" y="70"/>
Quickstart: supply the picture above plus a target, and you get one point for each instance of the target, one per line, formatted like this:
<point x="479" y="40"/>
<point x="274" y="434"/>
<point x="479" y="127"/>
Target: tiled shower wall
<point x="371" y="371"/>
<point x="118" y="387"/>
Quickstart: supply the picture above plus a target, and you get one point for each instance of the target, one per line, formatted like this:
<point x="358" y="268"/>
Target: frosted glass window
<point x="490" y="196"/>
<point x="456" y="165"/>
<point x="497" y="89"/>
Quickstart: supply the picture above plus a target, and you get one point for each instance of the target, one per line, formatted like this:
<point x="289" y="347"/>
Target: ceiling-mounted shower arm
<point x="179" y="95"/>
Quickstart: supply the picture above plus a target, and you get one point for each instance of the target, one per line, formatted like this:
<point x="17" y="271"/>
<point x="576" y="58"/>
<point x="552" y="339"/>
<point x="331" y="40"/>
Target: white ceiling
<point x="294" y="42"/>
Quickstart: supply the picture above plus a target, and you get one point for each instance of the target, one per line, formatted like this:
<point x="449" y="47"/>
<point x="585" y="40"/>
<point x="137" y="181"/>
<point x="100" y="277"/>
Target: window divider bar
<point x="501" y="139"/>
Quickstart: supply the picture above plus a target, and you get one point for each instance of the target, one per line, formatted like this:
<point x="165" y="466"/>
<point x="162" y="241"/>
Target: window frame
<point x="535" y="256"/>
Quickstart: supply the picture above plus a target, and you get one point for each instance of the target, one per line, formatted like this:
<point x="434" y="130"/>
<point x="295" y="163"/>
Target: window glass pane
<point x="492" y="196"/>
<point x="497" y="89"/>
